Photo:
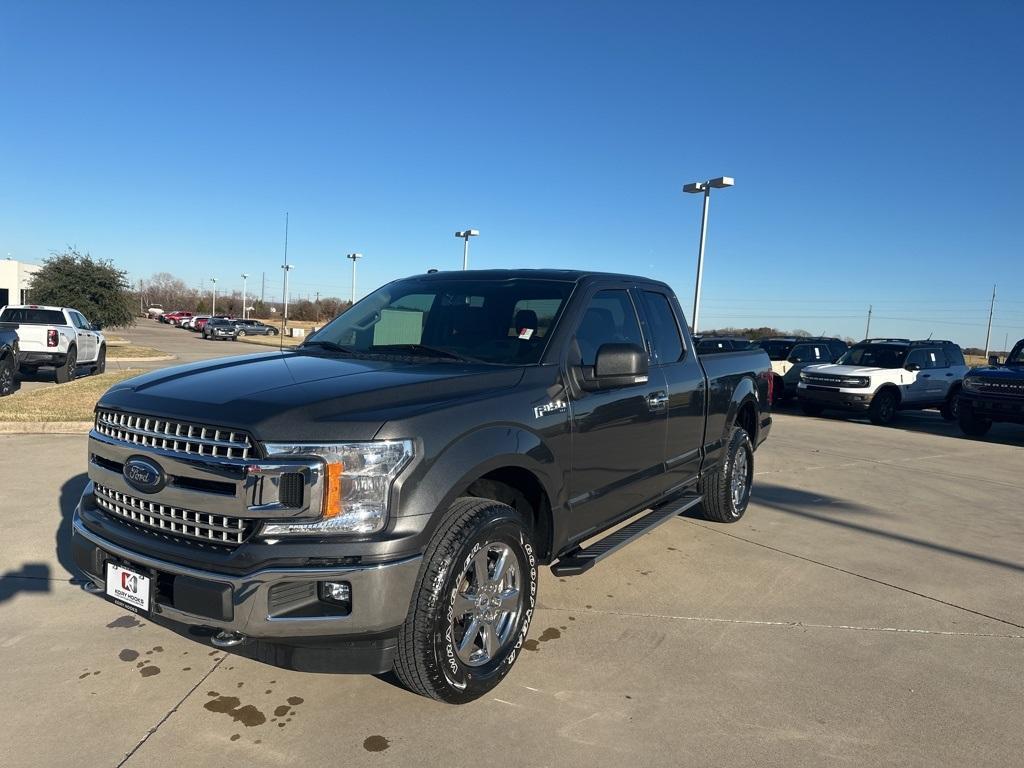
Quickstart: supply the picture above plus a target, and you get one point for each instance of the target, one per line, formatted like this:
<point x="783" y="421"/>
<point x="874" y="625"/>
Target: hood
<point x="301" y="395"/>
<point x="1014" y="373"/>
<point x="848" y="370"/>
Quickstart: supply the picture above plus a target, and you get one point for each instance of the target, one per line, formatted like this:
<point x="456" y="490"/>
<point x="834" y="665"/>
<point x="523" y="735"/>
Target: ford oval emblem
<point x="144" y="475"/>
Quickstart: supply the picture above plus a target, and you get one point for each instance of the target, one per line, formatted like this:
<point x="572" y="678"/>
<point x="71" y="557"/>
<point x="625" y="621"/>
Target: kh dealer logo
<point x="129" y="582"/>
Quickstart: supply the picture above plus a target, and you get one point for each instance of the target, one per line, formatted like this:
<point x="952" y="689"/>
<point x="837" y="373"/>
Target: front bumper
<point x="835" y="398"/>
<point x="269" y="604"/>
<point x="993" y="407"/>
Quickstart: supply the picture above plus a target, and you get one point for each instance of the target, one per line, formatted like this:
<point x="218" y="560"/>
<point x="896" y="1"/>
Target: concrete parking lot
<point x="867" y="611"/>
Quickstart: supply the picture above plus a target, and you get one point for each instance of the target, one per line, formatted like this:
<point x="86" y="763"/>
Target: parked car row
<point x="218" y="327"/>
<point x="60" y="338"/>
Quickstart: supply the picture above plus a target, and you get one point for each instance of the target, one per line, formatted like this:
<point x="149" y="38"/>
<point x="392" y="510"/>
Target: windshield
<point x="1017" y="355"/>
<point x="777" y="350"/>
<point x="874" y="356"/>
<point x="27" y="316"/>
<point x="507" y="322"/>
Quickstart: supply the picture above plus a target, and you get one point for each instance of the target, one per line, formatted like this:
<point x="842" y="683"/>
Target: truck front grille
<point x="823" y="380"/>
<point x="175" y="436"/>
<point x="173" y="521"/>
<point x="1012" y="388"/>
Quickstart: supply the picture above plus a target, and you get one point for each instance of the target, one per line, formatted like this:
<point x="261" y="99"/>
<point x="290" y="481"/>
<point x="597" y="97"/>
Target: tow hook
<point x="92" y="588"/>
<point x="228" y="639"/>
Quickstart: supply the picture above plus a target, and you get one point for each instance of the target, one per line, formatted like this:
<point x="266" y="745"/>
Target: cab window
<point x="609" y="318"/>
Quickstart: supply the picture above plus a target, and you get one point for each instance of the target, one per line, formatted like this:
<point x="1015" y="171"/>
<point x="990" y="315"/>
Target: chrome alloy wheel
<point x="487" y="605"/>
<point x="740" y="481"/>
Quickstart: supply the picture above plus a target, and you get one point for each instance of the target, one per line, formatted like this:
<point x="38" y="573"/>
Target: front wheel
<point x="101" y="360"/>
<point x="726" y="489"/>
<point x="883" y="408"/>
<point x="241" y="333"/>
<point x="950" y="410"/>
<point x="973" y="425"/>
<point x="472" y="605"/>
<point x="811" y="409"/>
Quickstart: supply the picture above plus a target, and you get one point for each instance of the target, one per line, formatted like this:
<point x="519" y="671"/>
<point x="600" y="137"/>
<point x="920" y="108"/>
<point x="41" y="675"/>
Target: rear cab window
<point x="665" y="338"/>
<point x="28" y="316"/>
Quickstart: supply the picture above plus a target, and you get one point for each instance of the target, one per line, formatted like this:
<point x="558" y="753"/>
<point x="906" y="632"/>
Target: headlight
<point x="357" y="484"/>
<point x="803" y="376"/>
<point x="971" y="383"/>
<point x="855" y="381"/>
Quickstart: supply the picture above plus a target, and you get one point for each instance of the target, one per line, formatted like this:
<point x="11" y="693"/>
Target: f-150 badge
<point x="555" y="406"/>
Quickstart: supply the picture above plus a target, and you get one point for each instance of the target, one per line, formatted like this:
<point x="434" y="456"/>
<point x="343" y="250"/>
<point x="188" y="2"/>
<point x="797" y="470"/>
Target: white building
<point x="15" y="281"/>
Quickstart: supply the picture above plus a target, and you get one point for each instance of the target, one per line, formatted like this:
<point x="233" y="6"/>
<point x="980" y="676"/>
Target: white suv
<point x="883" y="376"/>
<point x="60" y="337"/>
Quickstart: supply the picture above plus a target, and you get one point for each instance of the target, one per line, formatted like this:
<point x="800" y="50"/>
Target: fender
<point x="439" y="480"/>
<point x="745" y="392"/>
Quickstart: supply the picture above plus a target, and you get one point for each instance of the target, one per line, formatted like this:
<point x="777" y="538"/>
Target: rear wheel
<point x="62" y="374"/>
<point x="811" y="409"/>
<point x="726" y="489"/>
<point x="7" y="368"/>
<point x="950" y="410"/>
<point x="973" y="425"/>
<point x="883" y="408"/>
<point x="472" y="605"/>
<point x="241" y="332"/>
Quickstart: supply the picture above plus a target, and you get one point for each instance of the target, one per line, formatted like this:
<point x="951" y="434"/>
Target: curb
<point x="141" y="359"/>
<point x="45" y="427"/>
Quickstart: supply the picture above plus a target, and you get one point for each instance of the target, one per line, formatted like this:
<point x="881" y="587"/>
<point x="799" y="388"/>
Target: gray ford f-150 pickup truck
<point x="382" y="496"/>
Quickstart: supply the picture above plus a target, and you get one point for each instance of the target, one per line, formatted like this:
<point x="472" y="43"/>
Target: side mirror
<point x="796" y="360"/>
<point x="97" y="327"/>
<point x="617" y="365"/>
<point x="993" y="359"/>
<point x="912" y="367"/>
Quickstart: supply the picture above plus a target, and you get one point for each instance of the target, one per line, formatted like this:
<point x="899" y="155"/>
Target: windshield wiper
<point x="328" y="345"/>
<point x="425" y="349"/>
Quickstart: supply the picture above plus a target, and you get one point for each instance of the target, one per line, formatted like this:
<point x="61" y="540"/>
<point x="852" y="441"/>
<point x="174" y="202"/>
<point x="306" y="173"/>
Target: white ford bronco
<point x="882" y="376"/>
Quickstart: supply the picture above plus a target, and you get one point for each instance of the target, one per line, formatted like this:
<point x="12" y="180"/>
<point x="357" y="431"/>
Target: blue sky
<point x="876" y="147"/>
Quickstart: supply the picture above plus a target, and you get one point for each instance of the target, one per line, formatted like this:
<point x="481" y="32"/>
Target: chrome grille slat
<point x="218" y="529"/>
<point x="174" y="436"/>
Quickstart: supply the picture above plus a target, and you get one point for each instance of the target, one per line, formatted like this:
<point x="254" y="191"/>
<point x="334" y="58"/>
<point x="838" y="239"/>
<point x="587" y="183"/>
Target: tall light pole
<point x="704" y="186"/>
<point x="213" y="309"/>
<point x="287" y="268"/>
<point x="245" y="278"/>
<point x="353" y="257"/>
<point x="991" y="310"/>
<point x="465" y="235"/>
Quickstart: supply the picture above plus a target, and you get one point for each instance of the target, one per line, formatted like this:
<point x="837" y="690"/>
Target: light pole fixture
<point x="245" y="278"/>
<point x="704" y="186"/>
<point x="287" y="268"/>
<point x="354" y="257"/>
<point x="213" y="309"/>
<point x="465" y="235"/>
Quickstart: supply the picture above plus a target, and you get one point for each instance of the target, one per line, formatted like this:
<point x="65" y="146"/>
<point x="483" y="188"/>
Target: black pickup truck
<point x="8" y="357"/>
<point x="993" y="393"/>
<point x="382" y="496"/>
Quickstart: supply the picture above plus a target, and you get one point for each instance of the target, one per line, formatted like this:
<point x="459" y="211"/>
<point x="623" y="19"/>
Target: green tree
<point x="96" y="288"/>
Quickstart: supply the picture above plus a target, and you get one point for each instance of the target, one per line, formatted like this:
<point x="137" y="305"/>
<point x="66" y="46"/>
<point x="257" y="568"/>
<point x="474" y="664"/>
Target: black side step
<point x="581" y="560"/>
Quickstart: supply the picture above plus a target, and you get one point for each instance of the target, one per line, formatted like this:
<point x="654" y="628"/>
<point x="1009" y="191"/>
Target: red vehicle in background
<point x="173" y="318"/>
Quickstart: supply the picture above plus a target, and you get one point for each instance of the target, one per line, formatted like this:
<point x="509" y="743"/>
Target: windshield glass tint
<point x="875" y="356"/>
<point x="32" y="316"/>
<point x="777" y="350"/>
<point x="494" y="321"/>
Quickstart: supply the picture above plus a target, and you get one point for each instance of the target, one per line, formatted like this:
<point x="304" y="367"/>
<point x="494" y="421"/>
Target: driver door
<point x="618" y="435"/>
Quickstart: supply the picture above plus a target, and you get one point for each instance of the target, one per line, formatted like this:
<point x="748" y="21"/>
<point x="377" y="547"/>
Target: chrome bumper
<point x="381" y="594"/>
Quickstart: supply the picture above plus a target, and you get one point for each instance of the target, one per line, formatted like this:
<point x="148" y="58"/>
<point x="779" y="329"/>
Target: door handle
<point x="949" y="374"/>
<point x="657" y="400"/>
<point x="926" y="375"/>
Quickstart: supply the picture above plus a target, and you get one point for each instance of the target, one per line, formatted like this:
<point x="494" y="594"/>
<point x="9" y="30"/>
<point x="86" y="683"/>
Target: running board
<point x="581" y="560"/>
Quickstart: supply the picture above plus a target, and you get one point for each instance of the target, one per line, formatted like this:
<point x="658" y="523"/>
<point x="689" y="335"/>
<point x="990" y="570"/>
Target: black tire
<point x="241" y="333"/>
<point x="430" y="660"/>
<point x="272" y="332"/>
<point x="724" y="503"/>
<point x="811" y="409"/>
<point x="973" y="425"/>
<point x="883" y="408"/>
<point x="7" y="370"/>
<point x="101" y="361"/>
<point x="950" y="410"/>
<point x="62" y="374"/>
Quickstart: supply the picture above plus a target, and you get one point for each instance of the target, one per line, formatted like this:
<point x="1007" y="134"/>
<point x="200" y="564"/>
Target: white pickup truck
<point x="56" y="336"/>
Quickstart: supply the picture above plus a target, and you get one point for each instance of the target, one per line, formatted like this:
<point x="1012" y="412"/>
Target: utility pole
<point x="263" y="289"/>
<point x="867" y="331"/>
<point x="991" y="310"/>
<point x="213" y="310"/>
<point x="287" y="268"/>
<point x="355" y="257"/>
<point x="245" y="278"/>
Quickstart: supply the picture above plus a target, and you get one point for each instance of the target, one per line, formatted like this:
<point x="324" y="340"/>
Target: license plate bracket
<point x="128" y="587"/>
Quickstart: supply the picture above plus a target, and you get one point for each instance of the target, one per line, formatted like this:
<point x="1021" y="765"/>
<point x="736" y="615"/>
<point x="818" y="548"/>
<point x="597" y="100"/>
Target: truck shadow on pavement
<point x="822" y="508"/>
<point x="31" y="577"/>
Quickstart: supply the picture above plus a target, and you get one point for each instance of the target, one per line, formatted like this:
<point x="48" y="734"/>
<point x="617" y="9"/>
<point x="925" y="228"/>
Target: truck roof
<point x="563" y="275"/>
<point x="35" y="306"/>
